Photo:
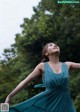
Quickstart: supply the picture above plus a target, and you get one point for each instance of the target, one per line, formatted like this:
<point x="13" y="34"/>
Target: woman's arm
<point x="73" y="65"/>
<point x="36" y="72"/>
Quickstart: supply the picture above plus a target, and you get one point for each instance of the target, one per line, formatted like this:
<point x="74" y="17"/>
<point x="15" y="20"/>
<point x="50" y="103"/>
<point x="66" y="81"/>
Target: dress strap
<point x="65" y="68"/>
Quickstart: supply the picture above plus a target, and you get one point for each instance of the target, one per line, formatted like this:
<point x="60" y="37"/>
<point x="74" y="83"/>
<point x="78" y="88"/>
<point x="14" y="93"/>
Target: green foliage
<point x="75" y="88"/>
<point x="77" y="102"/>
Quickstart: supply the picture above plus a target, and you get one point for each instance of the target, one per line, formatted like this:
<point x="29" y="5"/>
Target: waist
<point x="58" y="89"/>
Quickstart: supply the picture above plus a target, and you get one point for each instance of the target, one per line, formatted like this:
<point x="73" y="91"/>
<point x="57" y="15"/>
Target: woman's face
<point x="52" y="49"/>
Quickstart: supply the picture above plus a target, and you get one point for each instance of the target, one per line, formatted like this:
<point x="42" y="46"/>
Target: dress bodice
<point x="53" y="80"/>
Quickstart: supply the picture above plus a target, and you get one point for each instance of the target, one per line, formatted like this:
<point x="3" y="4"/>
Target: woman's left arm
<point x="73" y="65"/>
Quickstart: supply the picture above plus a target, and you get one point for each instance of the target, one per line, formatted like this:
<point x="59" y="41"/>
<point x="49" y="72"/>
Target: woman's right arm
<point x="36" y="72"/>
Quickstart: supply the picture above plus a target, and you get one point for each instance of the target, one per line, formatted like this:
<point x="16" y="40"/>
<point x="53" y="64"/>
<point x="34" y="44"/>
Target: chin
<point x="57" y="52"/>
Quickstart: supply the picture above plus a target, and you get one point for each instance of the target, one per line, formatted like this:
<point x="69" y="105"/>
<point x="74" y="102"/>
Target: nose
<point x="55" y="46"/>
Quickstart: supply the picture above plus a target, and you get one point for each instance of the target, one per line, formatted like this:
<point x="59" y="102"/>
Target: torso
<point x="56" y="68"/>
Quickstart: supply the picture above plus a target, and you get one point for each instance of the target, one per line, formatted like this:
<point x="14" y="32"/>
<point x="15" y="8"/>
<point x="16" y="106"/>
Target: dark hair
<point x="44" y="57"/>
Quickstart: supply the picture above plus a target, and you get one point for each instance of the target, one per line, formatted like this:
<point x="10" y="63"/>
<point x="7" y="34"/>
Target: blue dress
<point x="55" y="98"/>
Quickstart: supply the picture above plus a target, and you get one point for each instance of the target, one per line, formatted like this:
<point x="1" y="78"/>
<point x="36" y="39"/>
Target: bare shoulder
<point x="73" y="65"/>
<point x="68" y="63"/>
<point x="41" y="66"/>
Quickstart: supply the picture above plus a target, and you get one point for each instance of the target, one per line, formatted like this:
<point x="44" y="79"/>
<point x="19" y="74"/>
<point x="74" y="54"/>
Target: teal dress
<point x="55" y="98"/>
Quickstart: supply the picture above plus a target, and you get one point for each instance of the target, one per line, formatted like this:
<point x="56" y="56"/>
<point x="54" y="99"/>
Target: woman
<point x="55" y="76"/>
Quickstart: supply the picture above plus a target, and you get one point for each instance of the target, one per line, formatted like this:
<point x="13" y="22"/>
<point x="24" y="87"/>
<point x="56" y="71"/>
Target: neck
<point x="54" y="59"/>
